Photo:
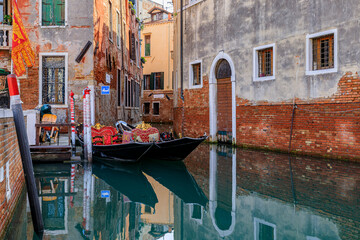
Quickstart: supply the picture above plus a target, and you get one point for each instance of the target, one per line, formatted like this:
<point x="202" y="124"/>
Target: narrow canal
<point x="216" y="193"/>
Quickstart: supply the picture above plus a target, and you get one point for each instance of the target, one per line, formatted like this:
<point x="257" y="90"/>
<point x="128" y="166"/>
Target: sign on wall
<point x="105" y="193"/>
<point x="105" y="90"/>
<point x="108" y="78"/>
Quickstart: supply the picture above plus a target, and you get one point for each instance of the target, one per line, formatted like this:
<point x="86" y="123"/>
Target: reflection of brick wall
<point x="9" y="155"/>
<point x="166" y="105"/>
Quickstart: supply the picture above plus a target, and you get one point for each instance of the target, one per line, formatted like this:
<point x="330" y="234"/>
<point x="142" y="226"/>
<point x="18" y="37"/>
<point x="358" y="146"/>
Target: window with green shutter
<point x="53" y="13"/>
<point x="147" y="45"/>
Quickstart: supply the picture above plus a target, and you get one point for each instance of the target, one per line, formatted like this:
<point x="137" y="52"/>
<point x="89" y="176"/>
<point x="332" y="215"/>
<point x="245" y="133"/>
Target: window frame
<point x="54" y="54"/>
<point x="256" y="50"/>
<point x="153" y="108"/>
<point x="111" y="34"/>
<point x="309" y="56"/>
<point x="57" y="26"/>
<point x="118" y="29"/>
<point x="257" y="221"/>
<point x="144" y="108"/>
<point x="191" y="74"/>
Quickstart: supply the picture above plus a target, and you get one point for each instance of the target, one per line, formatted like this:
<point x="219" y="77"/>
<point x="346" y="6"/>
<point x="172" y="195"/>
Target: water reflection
<point x="219" y="193"/>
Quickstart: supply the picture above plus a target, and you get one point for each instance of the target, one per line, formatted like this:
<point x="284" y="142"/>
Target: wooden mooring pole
<point x="24" y="147"/>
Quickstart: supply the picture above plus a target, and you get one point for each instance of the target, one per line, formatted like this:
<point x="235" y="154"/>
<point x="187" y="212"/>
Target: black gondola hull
<point x="127" y="152"/>
<point x="174" y="150"/>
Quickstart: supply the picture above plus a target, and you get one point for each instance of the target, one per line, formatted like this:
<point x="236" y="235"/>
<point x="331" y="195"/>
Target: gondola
<point x="127" y="180"/>
<point x="130" y="152"/>
<point x="167" y="149"/>
<point x="174" y="150"/>
<point x="175" y="177"/>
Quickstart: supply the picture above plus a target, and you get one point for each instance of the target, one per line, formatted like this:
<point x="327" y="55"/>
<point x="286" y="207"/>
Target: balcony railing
<point x="5" y="36"/>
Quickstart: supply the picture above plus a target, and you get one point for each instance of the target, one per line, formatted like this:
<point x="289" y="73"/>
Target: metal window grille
<point x="147" y="108"/>
<point x="196" y="74"/>
<point x="53" y="80"/>
<point x="323" y="52"/>
<point x="156" y="108"/>
<point x="265" y="62"/>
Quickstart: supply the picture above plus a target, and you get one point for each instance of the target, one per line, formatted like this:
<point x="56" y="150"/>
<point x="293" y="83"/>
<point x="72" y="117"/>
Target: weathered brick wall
<point x="327" y="127"/>
<point x="166" y="106"/>
<point x="195" y="115"/>
<point x="14" y="179"/>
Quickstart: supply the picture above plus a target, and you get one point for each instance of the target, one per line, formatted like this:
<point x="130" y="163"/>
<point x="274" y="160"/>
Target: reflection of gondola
<point x="128" y="180"/>
<point x="175" y="177"/>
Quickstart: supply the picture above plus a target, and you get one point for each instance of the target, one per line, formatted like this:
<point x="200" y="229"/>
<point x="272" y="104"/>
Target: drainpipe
<point x="181" y="52"/>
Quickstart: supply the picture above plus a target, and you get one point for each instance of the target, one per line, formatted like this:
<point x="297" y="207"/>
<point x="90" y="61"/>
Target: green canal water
<point x="216" y="193"/>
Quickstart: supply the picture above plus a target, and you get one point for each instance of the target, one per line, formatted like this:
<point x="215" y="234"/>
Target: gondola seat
<point x="107" y="135"/>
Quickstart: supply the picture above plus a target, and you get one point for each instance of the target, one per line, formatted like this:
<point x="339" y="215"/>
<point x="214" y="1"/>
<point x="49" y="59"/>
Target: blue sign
<point x="105" y="90"/>
<point x="105" y="193"/>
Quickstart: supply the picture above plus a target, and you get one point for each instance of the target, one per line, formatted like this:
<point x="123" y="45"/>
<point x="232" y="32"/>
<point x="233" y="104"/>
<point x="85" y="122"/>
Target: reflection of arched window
<point x="222" y="190"/>
<point x="223" y="69"/>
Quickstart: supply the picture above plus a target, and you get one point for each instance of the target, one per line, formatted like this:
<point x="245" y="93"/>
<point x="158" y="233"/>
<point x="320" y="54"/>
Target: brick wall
<point x="327" y="127"/>
<point x="165" y="110"/>
<point x="9" y="156"/>
<point x="195" y="114"/>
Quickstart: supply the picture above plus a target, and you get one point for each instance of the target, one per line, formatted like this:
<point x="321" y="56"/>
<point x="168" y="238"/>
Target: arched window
<point x="223" y="69"/>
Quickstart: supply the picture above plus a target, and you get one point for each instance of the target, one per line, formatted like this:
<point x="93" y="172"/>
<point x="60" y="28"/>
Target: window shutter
<point x="47" y="8"/>
<point x="59" y="12"/>
<point x="133" y="50"/>
<point x="152" y="81"/>
<point x="162" y="81"/>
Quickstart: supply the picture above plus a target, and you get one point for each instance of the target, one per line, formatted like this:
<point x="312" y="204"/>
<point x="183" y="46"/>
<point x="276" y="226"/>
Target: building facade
<point x="248" y="65"/>
<point x="77" y="47"/>
<point x="157" y="50"/>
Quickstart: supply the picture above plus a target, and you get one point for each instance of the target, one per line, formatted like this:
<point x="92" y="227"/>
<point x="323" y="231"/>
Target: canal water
<point x="216" y="193"/>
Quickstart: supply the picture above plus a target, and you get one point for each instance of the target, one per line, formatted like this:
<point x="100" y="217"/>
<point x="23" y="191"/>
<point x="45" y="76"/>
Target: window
<point x="132" y="46"/>
<point x="147" y="45"/>
<point x="264" y="63"/>
<point x="137" y="53"/>
<point x="195" y="74"/>
<point x="264" y="230"/>
<point x="119" y="87"/>
<point x="146" y="108"/>
<point x="118" y="26"/>
<point x="110" y="21"/>
<point x="147" y="209"/>
<point x="53" y="80"/>
<point x="147" y="82"/>
<point x="53" y="13"/>
<point x="156" y="108"/>
<point x="132" y="93"/>
<point x="321" y="52"/>
<point x="158" y="81"/>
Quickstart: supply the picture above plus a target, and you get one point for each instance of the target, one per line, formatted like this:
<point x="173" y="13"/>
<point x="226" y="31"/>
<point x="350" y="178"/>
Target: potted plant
<point x="7" y="19"/>
<point x="143" y="60"/>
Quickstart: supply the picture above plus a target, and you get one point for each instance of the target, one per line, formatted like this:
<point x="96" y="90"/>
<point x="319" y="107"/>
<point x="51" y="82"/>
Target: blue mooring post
<point x="24" y="147"/>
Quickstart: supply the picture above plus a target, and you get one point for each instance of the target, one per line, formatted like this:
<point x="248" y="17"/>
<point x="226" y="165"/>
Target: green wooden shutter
<point x="59" y="12"/>
<point x="147" y="49"/>
<point x="162" y="81"/>
<point x="47" y="12"/>
<point x="152" y="81"/>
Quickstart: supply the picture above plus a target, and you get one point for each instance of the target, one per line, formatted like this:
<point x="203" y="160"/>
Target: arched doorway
<point x="224" y="101"/>
<point x="222" y="105"/>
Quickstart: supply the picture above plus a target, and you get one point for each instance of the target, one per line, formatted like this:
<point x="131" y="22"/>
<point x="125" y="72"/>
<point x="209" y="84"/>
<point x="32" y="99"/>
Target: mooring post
<point x="24" y="147"/>
<point x="87" y="126"/>
<point x="72" y="110"/>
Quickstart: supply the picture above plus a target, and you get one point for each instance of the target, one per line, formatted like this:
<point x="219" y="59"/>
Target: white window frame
<point x="58" y="26"/>
<point x="52" y="54"/>
<point x="256" y="77"/>
<point x="191" y="75"/>
<point x="153" y="103"/>
<point x="309" y="60"/>
<point x="111" y="35"/>
<point x="256" y="227"/>
<point x="118" y="29"/>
